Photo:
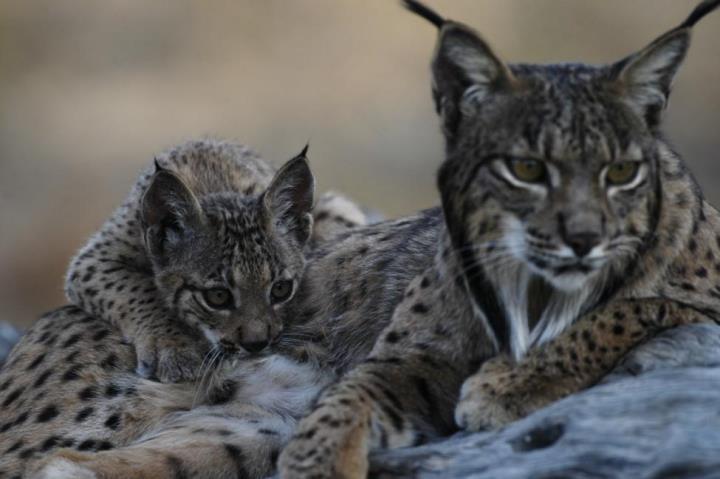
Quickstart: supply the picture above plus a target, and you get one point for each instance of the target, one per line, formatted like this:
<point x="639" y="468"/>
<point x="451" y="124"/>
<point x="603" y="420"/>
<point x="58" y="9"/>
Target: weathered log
<point x="656" y="416"/>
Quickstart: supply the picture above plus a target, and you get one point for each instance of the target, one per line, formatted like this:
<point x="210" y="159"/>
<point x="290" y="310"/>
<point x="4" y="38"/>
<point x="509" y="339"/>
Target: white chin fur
<point x="568" y="282"/>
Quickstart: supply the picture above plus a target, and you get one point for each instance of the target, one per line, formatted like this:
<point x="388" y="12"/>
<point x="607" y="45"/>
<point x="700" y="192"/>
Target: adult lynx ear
<point x="644" y="79"/>
<point x="465" y="69"/>
<point x="465" y="72"/>
<point x="289" y="198"/>
<point x="169" y="209"/>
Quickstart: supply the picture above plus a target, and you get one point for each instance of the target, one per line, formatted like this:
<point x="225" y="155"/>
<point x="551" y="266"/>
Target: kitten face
<point x="229" y="277"/>
<point x="226" y="263"/>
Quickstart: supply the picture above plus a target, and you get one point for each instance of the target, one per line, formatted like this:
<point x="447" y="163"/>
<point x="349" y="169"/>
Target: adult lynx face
<point x="224" y="262"/>
<point x="567" y="155"/>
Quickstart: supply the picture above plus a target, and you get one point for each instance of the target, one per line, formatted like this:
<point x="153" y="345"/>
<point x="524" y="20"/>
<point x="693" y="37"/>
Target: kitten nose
<point x="582" y="243"/>
<point x="255" y="346"/>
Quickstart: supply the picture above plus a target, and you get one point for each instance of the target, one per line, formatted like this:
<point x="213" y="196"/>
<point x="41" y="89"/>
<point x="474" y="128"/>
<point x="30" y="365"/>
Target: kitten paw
<point x="170" y="360"/>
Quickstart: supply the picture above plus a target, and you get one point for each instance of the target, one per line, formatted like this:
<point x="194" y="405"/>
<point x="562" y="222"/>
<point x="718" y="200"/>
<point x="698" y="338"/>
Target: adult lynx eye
<point x="218" y="298"/>
<point x="281" y="291"/>
<point x="527" y="170"/>
<point x="621" y="173"/>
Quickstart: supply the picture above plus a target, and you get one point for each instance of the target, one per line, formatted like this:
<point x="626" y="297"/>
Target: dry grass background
<point x="90" y="90"/>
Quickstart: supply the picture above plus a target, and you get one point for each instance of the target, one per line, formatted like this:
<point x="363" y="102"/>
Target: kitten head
<point x="553" y="166"/>
<point x="224" y="262"/>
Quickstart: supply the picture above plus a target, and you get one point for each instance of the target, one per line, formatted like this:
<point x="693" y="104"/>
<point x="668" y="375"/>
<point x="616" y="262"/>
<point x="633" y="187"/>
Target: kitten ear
<point x="465" y="71"/>
<point x="168" y="208"/>
<point x="644" y="79"/>
<point x="289" y="198"/>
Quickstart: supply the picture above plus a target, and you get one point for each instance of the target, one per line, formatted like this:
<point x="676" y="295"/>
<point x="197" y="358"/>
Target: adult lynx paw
<point x="171" y="360"/>
<point x="491" y="398"/>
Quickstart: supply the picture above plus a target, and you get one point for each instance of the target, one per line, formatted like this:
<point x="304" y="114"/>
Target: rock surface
<point x="656" y="416"/>
<point x="8" y="337"/>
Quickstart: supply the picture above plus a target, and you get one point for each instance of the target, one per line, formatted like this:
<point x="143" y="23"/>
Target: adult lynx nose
<point x="582" y="243"/>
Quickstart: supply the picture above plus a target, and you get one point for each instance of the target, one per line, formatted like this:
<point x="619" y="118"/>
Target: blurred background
<point x="90" y="91"/>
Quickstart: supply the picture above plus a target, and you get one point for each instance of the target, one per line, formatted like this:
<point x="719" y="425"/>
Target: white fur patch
<point x="277" y="383"/>
<point x="511" y="283"/>
<point x="64" y="469"/>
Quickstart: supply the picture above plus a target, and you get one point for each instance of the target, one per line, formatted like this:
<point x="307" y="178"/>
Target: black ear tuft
<point x="167" y="208"/>
<point x="304" y="151"/>
<point x="425" y="12"/>
<point x="699" y="12"/>
<point x="289" y="198"/>
<point x="644" y="79"/>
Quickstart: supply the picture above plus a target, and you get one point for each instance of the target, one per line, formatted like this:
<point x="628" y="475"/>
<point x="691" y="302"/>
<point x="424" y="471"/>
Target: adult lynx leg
<point x="502" y="392"/>
<point x="402" y="394"/>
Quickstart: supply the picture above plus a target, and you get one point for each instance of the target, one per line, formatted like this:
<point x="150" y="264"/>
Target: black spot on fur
<point x="392" y="337"/>
<point x="177" y="469"/>
<point x="425" y="392"/>
<point x="113" y="422"/>
<point x="88" y="393"/>
<point x="100" y="335"/>
<point x="72" y="340"/>
<point x="237" y="458"/>
<point x="48" y="414"/>
<point x="17" y="445"/>
<point x="419" y="308"/>
<point x="36" y="362"/>
<point x="86" y="445"/>
<point x="223" y="393"/>
<point x="26" y="453"/>
<point x="112" y="390"/>
<point x="72" y="373"/>
<point x="104" y="446"/>
<point x="84" y="414"/>
<point x="49" y="443"/>
<point x="13" y="396"/>
<point x="109" y="362"/>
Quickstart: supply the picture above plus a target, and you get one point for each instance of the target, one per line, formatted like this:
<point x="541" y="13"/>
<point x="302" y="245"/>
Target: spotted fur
<point x="406" y="311"/>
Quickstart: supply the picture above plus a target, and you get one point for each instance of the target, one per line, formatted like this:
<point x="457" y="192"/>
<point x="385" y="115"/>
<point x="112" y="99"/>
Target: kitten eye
<point x="281" y="291"/>
<point x="218" y="298"/>
<point x="527" y="170"/>
<point x="622" y="172"/>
